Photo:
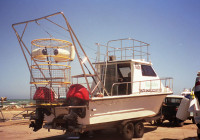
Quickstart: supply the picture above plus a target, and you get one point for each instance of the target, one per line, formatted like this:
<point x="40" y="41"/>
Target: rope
<point x="43" y="29"/>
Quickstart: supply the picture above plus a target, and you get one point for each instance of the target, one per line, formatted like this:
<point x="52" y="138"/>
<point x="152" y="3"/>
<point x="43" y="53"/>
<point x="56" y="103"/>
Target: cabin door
<point x="118" y="78"/>
<point x="124" y="78"/>
<point x="111" y="77"/>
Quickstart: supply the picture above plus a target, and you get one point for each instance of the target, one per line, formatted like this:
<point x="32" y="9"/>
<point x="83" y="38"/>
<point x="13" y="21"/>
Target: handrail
<point x="170" y="84"/>
<point x="127" y="48"/>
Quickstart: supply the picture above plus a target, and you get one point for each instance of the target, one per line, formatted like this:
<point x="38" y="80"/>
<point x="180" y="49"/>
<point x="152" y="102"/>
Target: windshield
<point x="173" y="100"/>
<point x="125" y="71"/>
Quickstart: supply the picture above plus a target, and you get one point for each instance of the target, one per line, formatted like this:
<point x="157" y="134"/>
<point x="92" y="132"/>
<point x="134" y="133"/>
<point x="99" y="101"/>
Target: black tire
<point x="84" y="134"/>
<point x="128" y="131"/>
<point x="139" y="130"/>
<point x="180" y="124"/>
<point x="88" y="134"/>
<point x="193" y="121"/>
<point x="198" y="134"/>
<point x="159" y="121"/>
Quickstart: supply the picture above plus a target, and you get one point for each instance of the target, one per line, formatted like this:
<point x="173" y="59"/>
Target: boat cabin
<point x="129" y="77"/>
<point x="127" y="70"/>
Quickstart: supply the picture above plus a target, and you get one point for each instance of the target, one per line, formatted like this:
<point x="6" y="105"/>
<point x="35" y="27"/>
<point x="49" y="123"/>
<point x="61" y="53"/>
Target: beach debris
<point x="3" y="99"/>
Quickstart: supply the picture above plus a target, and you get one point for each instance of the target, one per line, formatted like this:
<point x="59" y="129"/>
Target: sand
<point x="18" y="129"/>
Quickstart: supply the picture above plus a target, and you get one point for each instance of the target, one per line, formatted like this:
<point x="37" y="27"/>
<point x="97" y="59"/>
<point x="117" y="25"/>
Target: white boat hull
<point x="116" y="108"/>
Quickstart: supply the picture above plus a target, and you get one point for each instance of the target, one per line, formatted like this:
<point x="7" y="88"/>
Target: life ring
<point x="72" y="52"/>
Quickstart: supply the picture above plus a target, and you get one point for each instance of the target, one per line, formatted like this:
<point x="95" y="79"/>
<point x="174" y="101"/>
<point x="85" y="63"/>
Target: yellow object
<point x="51" y="43"/>
<point x="192" y="94"/>
<point x="48" y="82"/>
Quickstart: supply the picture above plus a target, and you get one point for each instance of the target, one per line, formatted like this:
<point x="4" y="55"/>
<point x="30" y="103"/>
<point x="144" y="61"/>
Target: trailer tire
<point x="159" y="122"/>
<point x="128" y="131"/>
<point x="178" y="123"/>
<point x="139" y="130"/>
<point x="193" y="121"/>
<point x="84" y="134"/>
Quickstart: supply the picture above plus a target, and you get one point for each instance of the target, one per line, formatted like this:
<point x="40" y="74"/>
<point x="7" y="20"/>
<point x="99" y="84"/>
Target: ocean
<point x="17" y="102"/>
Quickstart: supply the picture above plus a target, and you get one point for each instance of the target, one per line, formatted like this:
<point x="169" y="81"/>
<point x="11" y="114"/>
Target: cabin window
<point x="173" y="100"/>
<point x="125" y="72"/>
<point x="147" y="71"/>
<point x="111" y="76"/>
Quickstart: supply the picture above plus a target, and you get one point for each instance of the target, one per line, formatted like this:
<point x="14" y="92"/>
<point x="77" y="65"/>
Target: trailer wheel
<point x="198" y="133"/>
<point x="128" y="131"/>
<point x="139" y="130"/>
<point x="178" y="123"/>
<point x="159" y="121"/>
<point x="193" y="121"/>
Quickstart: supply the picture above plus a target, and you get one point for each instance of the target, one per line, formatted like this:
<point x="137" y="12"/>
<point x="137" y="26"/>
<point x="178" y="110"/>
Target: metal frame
<point x="74" y="41"/>
<point x="121" y="49"/>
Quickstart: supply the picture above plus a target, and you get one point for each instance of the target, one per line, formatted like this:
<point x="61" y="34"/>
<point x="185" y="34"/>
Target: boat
<point x="119" y="89"/>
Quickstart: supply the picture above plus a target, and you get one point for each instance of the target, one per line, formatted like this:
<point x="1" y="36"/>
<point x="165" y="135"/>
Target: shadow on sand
<point x="103" y="135"/>
<point x="189" y="138"/>
<point x="108" y="134"/>
<point x="168" y="124"/>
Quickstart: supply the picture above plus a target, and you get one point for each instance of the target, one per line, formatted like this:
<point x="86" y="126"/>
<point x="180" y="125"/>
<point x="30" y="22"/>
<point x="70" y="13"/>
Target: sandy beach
<point x="18" y="129"/>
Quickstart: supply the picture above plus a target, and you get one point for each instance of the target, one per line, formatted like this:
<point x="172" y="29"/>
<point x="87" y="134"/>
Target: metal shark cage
<point x="48" y="60"/>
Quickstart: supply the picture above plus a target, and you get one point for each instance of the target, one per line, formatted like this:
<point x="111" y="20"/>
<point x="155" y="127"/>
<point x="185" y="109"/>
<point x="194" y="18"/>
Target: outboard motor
<point x="42" y="94"/>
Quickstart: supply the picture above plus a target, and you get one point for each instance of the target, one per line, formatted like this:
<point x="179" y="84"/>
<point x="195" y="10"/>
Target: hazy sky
<point x="171" y="27"/>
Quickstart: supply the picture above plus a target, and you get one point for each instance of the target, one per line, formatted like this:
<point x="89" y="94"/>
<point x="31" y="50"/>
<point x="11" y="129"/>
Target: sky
<point x="171" y="27"/>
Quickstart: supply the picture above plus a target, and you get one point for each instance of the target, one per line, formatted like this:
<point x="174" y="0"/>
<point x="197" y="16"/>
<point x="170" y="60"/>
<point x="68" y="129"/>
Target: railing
<point x="123" y="49"/>
<point x="155" y="85"/>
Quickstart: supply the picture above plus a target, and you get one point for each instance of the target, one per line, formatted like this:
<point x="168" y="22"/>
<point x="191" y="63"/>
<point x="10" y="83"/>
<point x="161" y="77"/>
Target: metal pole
<point x="72" y="32"/>
<point x="38" y="18"/>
